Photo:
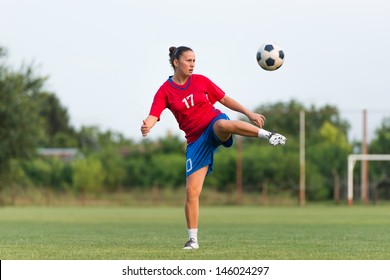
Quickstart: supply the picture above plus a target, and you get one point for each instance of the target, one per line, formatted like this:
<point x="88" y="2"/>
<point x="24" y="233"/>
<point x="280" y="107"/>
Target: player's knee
<point x="222" y="126"/>
<point x="223" y="130"/>
<point x="192" y="193"/>
<point x="193" y="189"/>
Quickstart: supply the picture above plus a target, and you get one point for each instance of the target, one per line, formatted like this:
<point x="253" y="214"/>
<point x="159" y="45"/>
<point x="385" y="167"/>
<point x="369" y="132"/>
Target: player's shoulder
<point x="163" y="89"/>
<point x="200" y="77"/>
<point x="165" y="84"/>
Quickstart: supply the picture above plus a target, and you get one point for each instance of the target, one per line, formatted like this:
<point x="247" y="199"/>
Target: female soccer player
<point x="191" y="97"/>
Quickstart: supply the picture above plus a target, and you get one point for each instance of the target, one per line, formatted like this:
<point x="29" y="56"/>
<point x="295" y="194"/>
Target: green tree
<point x="55" y="121"/>
<point x="380" y="171"/>
<point x="167" y="170"/>
<point x="114" y="166"/>
<point x="329" y="154"/>
<point x="326" y="146"/>
<point x="89" y="139"/>
<point x="20" y="127"/>
<point x="39" y="171"/>
<point x="88" y="175"/>
<point x="138" y="172"/>
<point x="381" y="142"/>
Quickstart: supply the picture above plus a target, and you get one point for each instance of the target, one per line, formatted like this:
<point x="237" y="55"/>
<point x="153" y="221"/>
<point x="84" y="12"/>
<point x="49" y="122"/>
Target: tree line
<point x="32" y="117"/>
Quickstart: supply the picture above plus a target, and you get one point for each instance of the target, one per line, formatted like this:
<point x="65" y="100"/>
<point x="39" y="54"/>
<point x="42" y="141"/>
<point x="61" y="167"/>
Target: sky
<point x="106" y="59"/>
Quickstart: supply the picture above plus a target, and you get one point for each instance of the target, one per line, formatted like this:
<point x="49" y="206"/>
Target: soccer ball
<point x="270" y="56"/>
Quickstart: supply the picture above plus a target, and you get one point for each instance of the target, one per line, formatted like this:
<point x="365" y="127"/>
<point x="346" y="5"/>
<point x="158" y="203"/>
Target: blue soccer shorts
<point x="201" y="152"/>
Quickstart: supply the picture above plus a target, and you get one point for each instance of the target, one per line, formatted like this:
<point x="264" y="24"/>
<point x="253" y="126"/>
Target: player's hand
<point x="145" y="129"/>
<point x="257" y="119"/>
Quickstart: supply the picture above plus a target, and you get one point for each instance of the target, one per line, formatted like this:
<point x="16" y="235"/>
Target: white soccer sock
<point x="193" y="233"/>
<point x="263" y="133"/>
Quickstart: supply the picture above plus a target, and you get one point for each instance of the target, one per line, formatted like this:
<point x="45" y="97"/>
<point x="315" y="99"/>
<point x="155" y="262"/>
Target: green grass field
<point x="226" y="233"/>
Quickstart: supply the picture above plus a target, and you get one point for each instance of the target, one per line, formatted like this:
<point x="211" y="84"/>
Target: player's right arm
<point x="232" y="104"/>
<point x="147" y="124"/>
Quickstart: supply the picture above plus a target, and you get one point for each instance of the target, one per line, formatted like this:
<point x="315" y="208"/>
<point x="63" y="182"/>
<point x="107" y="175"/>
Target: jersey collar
<point x="180" y="87"/>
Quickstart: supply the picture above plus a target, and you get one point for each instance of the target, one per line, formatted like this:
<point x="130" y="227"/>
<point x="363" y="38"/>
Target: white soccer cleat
<point x="191" y="244"/>
<point x="276" y="139"/>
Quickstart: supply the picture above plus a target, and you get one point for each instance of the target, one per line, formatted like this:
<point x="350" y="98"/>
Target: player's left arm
<point x="232" y="104"/>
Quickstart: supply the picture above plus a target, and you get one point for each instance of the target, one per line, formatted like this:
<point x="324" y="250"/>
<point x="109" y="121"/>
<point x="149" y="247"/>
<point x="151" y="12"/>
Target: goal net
<point x="351" y="164"/>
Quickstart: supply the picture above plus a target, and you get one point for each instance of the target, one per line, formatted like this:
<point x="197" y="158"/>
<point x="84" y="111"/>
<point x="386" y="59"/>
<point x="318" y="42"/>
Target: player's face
<point x="186" y="63"/>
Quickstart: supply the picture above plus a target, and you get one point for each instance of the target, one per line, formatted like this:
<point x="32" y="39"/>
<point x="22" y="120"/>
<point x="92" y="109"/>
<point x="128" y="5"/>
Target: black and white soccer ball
<point x="270" y="56"/>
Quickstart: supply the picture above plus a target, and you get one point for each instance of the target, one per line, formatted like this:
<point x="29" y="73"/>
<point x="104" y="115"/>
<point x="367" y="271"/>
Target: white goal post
<point x="351" y="164"/>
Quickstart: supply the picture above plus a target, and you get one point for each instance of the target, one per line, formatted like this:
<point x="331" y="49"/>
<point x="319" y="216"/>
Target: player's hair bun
<point x="171" y="51"/>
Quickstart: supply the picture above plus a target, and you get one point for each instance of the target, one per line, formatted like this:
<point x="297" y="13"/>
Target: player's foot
<point x="191" y="244"/>
<point x="276" y="139"/>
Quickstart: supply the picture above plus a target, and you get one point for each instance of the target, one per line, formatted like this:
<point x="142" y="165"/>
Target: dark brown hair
<point x="175" y="53"/>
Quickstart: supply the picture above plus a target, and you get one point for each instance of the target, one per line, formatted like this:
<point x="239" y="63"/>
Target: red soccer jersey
<point x="191" y="104"/>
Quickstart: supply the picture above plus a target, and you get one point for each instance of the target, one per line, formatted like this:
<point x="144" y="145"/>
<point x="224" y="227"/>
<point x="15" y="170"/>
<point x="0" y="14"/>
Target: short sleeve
<point x="159" y="103"/>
